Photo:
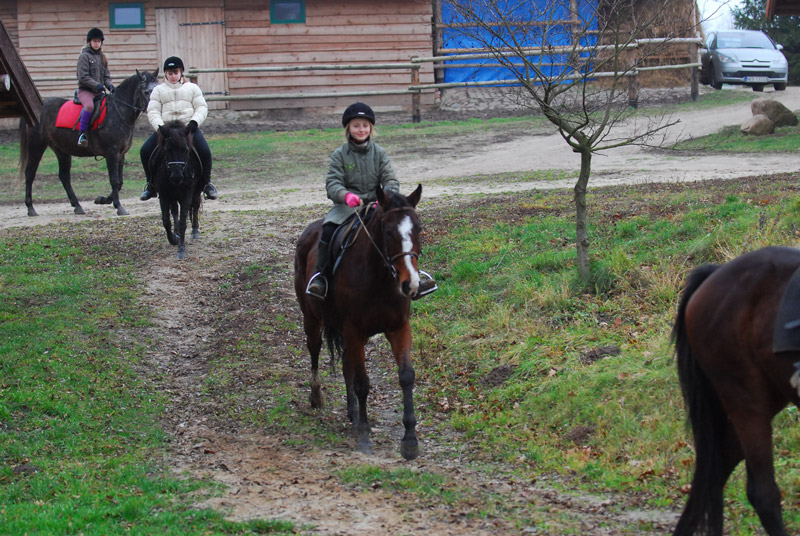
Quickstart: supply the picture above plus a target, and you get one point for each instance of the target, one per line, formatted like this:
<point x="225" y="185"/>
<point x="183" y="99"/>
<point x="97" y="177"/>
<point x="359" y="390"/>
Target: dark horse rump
<point x="370" y="293"/>
<point x="112" y="140"/>
<point x="733" y="382"/>
<point x="176" y="171"/>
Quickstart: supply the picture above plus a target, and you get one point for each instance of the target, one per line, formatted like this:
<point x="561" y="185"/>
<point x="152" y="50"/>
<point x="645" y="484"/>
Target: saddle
<point x="786" y="336"/>
<point x="69" y="115"/>
<point x="346" y="233"/>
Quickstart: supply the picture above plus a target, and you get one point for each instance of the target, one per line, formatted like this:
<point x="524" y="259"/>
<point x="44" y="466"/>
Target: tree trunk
<point x="581" y="235"/>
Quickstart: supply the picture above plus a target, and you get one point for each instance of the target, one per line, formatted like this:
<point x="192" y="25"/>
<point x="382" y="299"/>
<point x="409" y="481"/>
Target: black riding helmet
<point x="358" y="109"/>
<point x="173" y="62"/>
<point x="95" y="33"/>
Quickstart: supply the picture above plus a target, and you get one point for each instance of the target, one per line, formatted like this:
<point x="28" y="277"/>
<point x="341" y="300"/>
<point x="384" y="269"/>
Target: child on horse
<point x="93" y="78"/>
<point x="356" y="169"/>
<point x="177" y="100"/>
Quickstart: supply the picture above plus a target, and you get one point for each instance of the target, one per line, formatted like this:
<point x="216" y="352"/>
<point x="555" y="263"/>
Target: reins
<point x="386" y="259"/>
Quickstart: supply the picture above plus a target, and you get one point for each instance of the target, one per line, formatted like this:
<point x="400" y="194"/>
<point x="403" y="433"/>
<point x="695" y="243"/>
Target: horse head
<point x="175" y="145"/>
<point x="400" y="230"/>
<point x="146" y="82"/>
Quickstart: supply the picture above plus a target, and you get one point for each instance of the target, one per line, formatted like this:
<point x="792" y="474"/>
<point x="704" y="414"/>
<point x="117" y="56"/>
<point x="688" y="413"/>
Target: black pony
<point x="111" y="140"/>
<point x="176" y="174"/>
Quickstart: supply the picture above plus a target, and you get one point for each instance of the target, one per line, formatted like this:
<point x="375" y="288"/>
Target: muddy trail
<point x="231" y="307"/>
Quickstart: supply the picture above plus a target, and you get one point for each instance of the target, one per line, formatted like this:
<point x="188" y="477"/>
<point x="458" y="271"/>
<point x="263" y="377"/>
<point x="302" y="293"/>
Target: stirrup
<point x="311" y="292"/>
<point x="431" y="290"/>
<point x="83" y="141"/>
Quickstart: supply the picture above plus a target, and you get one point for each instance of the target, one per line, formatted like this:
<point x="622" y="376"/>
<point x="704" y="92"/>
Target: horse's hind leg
<point x="762" y="490"/>
<point x="35" y="150"/>
<point x="115" y="164"/>
<point x="357" y="382"/>
<point x="64" y="169"/>
<point x="313" y="329"/>
<point x="196" y="218"/>
<point x="401" y="348"/>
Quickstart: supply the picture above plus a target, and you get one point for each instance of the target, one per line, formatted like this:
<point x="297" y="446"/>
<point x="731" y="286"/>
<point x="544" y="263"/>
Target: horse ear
<point x="415" y="196"/>
<point x="163" y="132"/>
<point x="155" y="73"/>
<point x="380" y="194"/>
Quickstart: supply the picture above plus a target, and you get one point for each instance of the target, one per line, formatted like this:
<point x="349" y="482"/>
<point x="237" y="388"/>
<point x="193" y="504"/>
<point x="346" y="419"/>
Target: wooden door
<point x="197" y="36"/>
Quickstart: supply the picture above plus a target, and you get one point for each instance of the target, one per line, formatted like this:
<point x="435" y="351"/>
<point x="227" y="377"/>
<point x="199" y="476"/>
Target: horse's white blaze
<point x="405" y="228"/>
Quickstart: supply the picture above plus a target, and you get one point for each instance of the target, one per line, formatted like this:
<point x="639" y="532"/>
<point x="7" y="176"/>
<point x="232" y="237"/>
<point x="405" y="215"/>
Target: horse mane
<point x="131" y="82"/>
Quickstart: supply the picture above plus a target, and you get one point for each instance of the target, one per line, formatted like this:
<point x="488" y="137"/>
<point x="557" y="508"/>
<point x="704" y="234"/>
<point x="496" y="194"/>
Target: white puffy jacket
<point x="182" y="102"/>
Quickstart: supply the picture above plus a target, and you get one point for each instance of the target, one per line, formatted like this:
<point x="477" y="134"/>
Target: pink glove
<point x="352" y="200"/>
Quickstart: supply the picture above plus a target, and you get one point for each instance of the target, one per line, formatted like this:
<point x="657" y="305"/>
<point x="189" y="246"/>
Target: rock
<point x="758" y="125"/>
<point x="779" y="114"/>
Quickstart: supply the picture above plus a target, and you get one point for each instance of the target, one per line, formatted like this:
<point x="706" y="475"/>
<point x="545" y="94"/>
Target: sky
<point x="716" y="14"/>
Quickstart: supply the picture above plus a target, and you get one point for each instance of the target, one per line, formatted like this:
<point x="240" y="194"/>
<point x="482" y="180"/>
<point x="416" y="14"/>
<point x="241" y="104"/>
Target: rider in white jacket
<point x="177" y="100"/>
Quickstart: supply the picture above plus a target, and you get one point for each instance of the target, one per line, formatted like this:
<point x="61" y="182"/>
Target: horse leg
<point x="167" y="209"/>
<point x="401" y="349"/>
<point x="313" y="329"/>
<point x="34" y="157"/>
<point x="64" y="168"/>
<point x="184" y="212"/>
<point x="114" y="164"/>
<point x="196" y="217"/>
<point x="762" y="490"/>
<point x="356" y="363"/>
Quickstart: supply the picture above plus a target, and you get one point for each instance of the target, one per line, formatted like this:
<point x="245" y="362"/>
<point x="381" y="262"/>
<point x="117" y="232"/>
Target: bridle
<point x="387" y="260"/>
<point x="140" y="92"/>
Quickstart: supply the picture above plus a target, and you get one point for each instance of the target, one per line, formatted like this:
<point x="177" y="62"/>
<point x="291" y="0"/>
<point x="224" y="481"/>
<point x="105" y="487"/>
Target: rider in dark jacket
<point x="93" y="78"/>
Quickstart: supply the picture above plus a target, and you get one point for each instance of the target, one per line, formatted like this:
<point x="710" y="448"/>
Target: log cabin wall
<point x="50" y="36"/>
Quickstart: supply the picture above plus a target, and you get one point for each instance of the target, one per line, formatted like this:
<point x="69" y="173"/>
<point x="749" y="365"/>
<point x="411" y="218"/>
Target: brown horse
<point x="733" y="382"/>
<point x="111" y="140"/>
<point x="370" y="293"/>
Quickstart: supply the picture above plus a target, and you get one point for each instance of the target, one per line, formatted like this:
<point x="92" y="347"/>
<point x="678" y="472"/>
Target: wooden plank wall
<point x="8" y="14"/>
<point x="335" y="32"/>
<point x="51" y="35"/>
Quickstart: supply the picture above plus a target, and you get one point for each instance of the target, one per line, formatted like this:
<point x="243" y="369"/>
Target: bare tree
<point x="572" y="60"/>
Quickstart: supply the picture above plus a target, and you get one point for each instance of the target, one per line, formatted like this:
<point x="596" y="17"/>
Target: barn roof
<point x="18" y="94"/>
<point x="782" y="7"/>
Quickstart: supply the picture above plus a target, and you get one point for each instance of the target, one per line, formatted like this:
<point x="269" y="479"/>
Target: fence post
<point x="694" y="55"/>
<point x="416" y="115"/>
<point x="633" y="82"/>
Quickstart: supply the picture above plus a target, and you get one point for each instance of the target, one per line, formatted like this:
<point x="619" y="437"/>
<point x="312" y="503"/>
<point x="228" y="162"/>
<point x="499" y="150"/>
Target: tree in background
<point x="783" y="29"/>
<point x="572" y="60"/>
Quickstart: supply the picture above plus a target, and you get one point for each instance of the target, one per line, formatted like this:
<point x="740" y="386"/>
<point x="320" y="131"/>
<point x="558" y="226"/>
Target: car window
<point x="743" y="40"/>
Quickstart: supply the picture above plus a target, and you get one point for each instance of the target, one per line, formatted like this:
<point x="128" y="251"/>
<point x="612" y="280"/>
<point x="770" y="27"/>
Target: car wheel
<point x="758" y="87"/>
<point x="716" y="85"/>
<point x="780" y="86"/>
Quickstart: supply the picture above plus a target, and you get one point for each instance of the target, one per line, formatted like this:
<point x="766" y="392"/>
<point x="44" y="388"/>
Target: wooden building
<point x="18" y="94"/>
<point x="235" y="34"/>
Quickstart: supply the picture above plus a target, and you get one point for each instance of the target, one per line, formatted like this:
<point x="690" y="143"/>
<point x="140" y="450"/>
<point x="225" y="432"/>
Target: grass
<point x="79" y="423"/>
<point x="509" y="299"/>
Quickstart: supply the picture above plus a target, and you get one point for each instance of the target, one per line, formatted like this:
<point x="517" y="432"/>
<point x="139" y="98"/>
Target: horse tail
<point x="335" y="341"/>
<point x="23" y="149"/>
<point x="707" y="419"/>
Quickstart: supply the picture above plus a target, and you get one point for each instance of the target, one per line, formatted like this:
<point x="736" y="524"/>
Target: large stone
<point x="779" y="114"/>
<point x="758" y="125"/>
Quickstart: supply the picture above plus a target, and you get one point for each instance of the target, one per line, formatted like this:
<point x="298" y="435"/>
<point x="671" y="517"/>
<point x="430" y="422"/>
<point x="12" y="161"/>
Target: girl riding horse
<point x="93" y="78"/>
<point x="356" y="169"/>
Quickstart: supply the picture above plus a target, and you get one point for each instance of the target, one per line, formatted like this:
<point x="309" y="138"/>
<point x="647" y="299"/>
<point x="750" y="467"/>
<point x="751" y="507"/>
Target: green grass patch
<point x="80" y="440"/>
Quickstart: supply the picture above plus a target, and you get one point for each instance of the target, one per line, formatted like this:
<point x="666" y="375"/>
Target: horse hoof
<point x="409" y="450"/>
<point x="79" y="210"/>
<point x="181" y="255"/>
<point x="364" y="445"/>
<point x="195" y="235"/>
<point x="32" y="212"/>
<point x="100" y="200"/>
<point x="121" y="211"/>
<point x="316" y="399"/>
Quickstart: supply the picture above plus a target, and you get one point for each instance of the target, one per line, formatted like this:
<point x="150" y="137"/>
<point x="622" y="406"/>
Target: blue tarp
<point x="508" y="33"/>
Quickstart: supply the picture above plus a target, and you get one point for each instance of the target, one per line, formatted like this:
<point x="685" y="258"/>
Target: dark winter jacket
<point x="92" y="70"/>
<point x="358" y="169"/>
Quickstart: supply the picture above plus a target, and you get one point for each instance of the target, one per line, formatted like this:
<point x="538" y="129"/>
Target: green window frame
<point x="287" y="11"/>
<point x="126" y="16"/>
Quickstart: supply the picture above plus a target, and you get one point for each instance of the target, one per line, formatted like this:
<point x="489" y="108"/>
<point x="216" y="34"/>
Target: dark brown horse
<point x="176" y="171"/>
<point x="369" y="293"/>
<point x="112" y="140"/>
<point x="733" y="382"/>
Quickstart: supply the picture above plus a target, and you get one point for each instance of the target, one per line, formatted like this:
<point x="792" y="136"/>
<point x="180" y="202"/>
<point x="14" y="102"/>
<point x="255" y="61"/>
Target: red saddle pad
<point x="69" y="114"/>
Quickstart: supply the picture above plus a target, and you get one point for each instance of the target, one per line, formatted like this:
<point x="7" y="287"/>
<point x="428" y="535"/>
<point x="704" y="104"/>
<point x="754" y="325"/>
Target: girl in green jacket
<point x="355" y="170"/>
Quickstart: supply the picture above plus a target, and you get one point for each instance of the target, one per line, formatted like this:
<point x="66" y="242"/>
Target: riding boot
<point x="318" y="285"/>
<point x="210" y="191"/>
<point x="426" y="286"/>
<point x="148" y="192"/>
<point x="84" y="124"/>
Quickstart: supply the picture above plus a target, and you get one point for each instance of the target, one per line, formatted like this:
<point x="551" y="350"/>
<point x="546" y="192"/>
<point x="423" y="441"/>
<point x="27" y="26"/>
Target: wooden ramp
<point x="18" y="95"/>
